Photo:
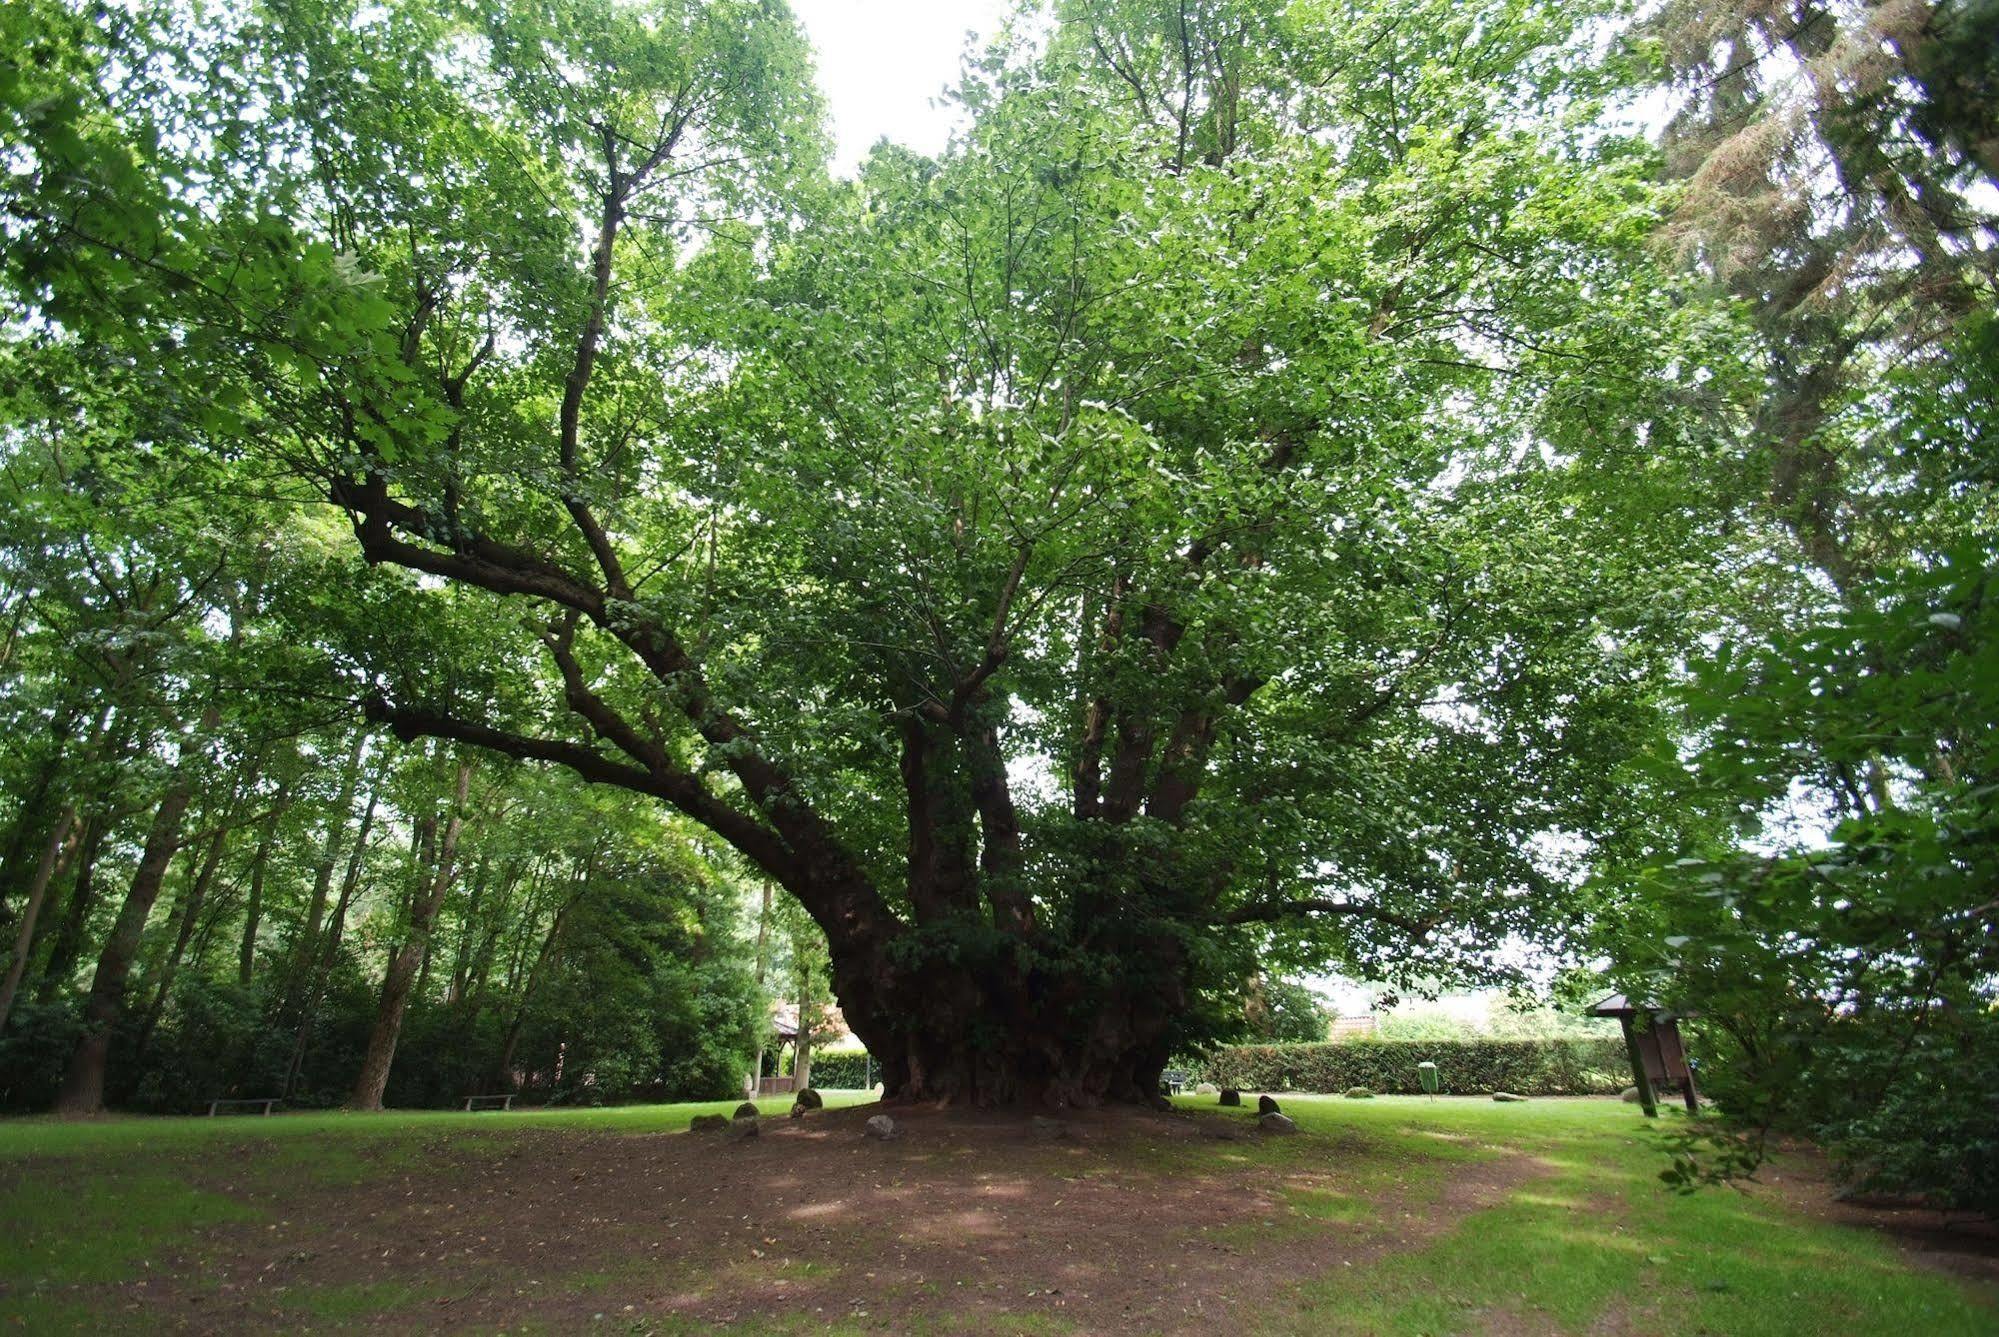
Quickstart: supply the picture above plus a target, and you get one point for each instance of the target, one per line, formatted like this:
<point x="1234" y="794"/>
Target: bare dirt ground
<point x="967" y="1222"/>
<point x="1958" y="1243"/>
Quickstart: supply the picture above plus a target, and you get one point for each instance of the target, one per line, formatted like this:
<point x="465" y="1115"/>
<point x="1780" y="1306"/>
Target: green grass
<point x="1578" y="1234"/>
<point x="1594" y="1240"/>
<point x="48" y="1137"/>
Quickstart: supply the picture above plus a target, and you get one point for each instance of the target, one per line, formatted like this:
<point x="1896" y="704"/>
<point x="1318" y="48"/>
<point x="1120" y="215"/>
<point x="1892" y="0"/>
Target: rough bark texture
<point x="54" y="850"/>
<point x="408" y="959"/>
<point x="83" y="1083"/>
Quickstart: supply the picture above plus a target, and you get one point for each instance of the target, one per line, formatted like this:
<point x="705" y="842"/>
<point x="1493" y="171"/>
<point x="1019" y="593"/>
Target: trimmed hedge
<point x="1465" y="1067"/>
<point x="841" y="1071"/>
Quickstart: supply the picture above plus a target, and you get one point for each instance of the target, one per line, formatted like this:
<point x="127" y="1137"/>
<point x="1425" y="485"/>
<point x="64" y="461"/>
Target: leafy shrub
<point x="34" y="1051"/>
<point x="1531" y="1067"/>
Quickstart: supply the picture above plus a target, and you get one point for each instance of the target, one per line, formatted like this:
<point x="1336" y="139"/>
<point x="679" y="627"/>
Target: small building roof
<point x="1617" y="1005"/>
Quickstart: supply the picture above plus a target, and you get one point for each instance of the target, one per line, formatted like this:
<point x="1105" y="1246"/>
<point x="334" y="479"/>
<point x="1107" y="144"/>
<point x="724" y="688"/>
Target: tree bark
<point x="68" y="943"/>
<point x="253" y="912"/>
<point x="189" y="917"/>
<point x="327" y="954"/>
<point x="503" y="1071"/>
<point x="400" y="978"/>
<point x="305" y="949"/>
<point x="54" y="852"/>
<point x="83" y="1084"/>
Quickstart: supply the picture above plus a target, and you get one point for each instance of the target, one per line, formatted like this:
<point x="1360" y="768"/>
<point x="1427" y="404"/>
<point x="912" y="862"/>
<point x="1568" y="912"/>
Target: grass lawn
<point x="1391" y="1216"/>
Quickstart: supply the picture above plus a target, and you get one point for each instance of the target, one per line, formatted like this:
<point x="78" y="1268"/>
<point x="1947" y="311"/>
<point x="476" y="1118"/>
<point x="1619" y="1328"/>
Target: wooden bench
<point x="216" y="1105"/>
<point x="1173" y="1080"/>
<point x="502" y="1103"/>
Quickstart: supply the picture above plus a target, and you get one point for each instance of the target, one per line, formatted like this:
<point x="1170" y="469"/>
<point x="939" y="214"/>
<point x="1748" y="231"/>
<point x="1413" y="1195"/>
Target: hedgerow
<point x="1529" y="1067"/>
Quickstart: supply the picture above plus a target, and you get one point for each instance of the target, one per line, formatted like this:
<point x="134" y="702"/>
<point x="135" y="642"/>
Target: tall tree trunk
<point x="763" y="963"/>
<point x="461" y="957"/>
<point x="54" y="852"/>
<point x="35" y="802"/>
<point x="503" y="1071"/>
<point x="304" y="948"/>
<point x="401" y="976"/>
<point x="253" y="912"/>
<point x="67" y="946"/>
<point x="329" y="952"/>
<point x="189" y="916"/>
<point x="801" y="1063"/>
<point x="83" y="1084"/>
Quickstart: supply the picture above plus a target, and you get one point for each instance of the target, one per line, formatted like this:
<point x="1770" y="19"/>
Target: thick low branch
<point x="685" y="792"/>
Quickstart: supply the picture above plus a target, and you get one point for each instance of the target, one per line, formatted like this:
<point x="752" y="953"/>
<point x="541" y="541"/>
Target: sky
<point x="883" y="62"/>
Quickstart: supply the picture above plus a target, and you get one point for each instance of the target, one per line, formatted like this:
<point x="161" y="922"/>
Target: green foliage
<point x="842" y="1070"/>
<point x="1533" y="1067"/>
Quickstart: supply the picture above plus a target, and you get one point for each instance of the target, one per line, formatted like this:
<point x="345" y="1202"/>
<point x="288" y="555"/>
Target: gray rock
<point x="1230" y="1096"/>
<point x="1207" y="1089"/>
<point x="1629" y="1095"/>
<point x="747" y="1110"/>
<point x="1508" y="1098"/>
<point x="707" y="1123"/>
<point x="881" y="1127"/>
<point x="809" y="1099"/>
<point x="1276" y="1123"/>
<point x="1266" y="1105"/>
<point x="1359" y="1093"/>
<point x="740" y="1129"/>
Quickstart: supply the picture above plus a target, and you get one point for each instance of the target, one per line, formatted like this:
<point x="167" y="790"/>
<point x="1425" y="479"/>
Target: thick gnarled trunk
<point x="961" y="1032"/>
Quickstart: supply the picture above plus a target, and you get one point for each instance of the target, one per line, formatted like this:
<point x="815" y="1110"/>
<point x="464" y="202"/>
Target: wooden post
<point x="1639" y="1077"/>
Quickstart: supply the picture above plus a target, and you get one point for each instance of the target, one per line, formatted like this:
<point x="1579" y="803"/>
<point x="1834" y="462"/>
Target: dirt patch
<point x="968" y="1221"/>
<point x="1959" y="1243"/>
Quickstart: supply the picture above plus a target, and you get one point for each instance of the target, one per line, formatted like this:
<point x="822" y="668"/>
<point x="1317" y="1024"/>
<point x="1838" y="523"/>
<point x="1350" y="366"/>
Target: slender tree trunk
<point x="763" y="961"/>
<point x="54" y="852"/>
<point x="35" y="803"/>
<point x="83" y="1084"/>
<point x="461" y="957"/>
<point x="189" y="916"/>
<point x="503" y="1071"/>
<point x="329" y="953"/>
<point x="401" y="976"/>
<point x="68" y="943"/>
<point x="253" y="913"/>
<point x="801" y="1064"/>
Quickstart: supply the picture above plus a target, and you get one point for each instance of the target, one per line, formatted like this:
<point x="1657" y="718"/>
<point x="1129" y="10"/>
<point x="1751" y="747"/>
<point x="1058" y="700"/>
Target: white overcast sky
<point x="883" y="62"/>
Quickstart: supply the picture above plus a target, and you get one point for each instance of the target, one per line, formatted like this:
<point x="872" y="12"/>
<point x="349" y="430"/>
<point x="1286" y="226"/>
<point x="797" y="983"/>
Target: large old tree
<point x="1239" y="496"/>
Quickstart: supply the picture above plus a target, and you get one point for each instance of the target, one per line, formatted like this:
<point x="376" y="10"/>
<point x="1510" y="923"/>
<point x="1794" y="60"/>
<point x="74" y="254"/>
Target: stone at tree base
<point x="739" y="1129"/>
<point x="1207" y="1089"/>
<point x="707" y="1123"/>
<point x="881" y="1127"/>
<point x="809" y="1099"/>
<point x="1230" y="1096"/>
<point x="1508" y="1098"/>
<point x="1629" y="1095"/>
<point x="1276" y="1123"/>
<point x="798" y="1111"/>
<point x="1051" y="1129"/>
<point x="1266" y="1105"/>
<point x="746" y="1110"/>
<point x="1359" y="1093"/>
